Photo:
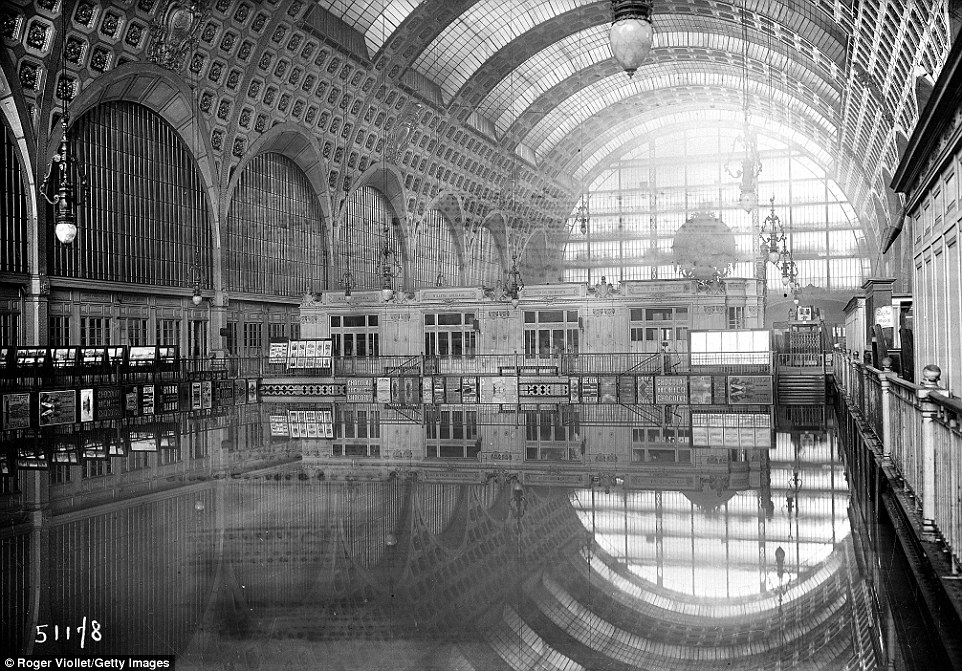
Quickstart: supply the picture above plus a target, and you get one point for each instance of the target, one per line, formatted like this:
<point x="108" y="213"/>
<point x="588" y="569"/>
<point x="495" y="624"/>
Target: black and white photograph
<point x="481" y="335"/>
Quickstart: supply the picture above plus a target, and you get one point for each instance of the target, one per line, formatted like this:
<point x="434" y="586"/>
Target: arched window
<point x="360" y="241"/>
<point x="437" y="253"/>
<point x="488" y="263"/>
<point x="630" y="230"/>
<point x="274" y="242"/>
<point x="13" y="209"/>
<point x="146" y="211"/>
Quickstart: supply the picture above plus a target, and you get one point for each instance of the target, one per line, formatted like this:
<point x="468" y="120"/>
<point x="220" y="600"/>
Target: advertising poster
<point x="646" y="390"/>
<point x="252" y="391"/>
<point x="383" y="390"/>
<point x="168" y="438"/>
<point x="108" y="403"/>
<point x="207" y="394"/>
<point x="115" y="356"/>
<point x="167" y="356"/>
<point x="469" y="389"/>
<point x="16" y="411"/>
<point x="116" y="446"/>
<point x="147" y="400"/>
<point x="93" y="357"/>
<point x="225" y="393"/>
<point x="608" y="389"/>
<point x="574" y="390"/>
<point x="671" y="389"/>
<point x="64" y="357"/>
<point x="196" y="394"/>
<point x="310" y="353"/>
<point x="131" y="401"/>
<point x="277" y="354"/>
<point x="452" y="392"/>
<point x="240" y="391"/>
<point x="169" y="398"/>
<point x="325" y="419"/>
<point x="427" y="391"/>
<point x="589" y="389"/>
<point x="501" y="390"/>
<point x="64" y="450"/>
<point x="300" y="358"/>
<point x="360" y="390"/>
<point x="701" y="389"/>
<point x="750" y="389"/>
<point x="31" y="356"/>
<point x="142" y="441"/>
<point x="279" y="426"/>
<point x="57" y="407"/>
<point x="86" y="405"/>
<point x="93" y="444"/>
<point x="325" y="353"/>
<point x="142" y="357"/>
<point x="312" y="428"/>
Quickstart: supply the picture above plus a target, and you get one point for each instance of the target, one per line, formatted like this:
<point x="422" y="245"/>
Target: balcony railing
<point x="918" y="427"/>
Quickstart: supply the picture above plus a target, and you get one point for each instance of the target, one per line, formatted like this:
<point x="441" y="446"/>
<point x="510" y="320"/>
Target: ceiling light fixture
<point x="63" y="165"/>
<point x="516" y="283"/>
<point x="631" y="33"/>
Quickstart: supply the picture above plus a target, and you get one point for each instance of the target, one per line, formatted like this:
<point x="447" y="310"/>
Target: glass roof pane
<point x="479" y="33"/>
<point x="377" y="19"/>
<point x="645" y="128"/>
<point x="589" y="101"/>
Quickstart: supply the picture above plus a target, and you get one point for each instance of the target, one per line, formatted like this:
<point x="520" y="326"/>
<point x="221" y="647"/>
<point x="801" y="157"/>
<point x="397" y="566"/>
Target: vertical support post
<point x="886" y="408"/>
<point x="930" y="383"/>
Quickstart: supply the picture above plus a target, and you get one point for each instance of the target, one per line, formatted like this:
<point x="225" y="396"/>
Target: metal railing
<point x="918" y="427"/>
<point x="610" y="364"/>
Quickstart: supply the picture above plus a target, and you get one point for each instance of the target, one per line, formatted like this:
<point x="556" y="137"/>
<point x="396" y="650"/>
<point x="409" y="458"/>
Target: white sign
<point x="885" y="317"/>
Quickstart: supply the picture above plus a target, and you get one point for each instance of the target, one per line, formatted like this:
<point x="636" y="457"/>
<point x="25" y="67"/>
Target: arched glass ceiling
<point x="376" y="19"/>
<point x="566" y="117"/>
<point x="490" y="25"/>
<point x="547" y="68"/>
<point x="641" y="128"/>
<point x="478" y="33"/>
<point x="714" y="555"/>
<point x="517" y="91"/>
<point x="643" y="195"/>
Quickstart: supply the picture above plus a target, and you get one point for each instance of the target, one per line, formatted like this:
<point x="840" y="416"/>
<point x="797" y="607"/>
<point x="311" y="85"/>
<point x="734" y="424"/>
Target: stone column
<point x="886" y="408"/>
<point x="930" y="383"/>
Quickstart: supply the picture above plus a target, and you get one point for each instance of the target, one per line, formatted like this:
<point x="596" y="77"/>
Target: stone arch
<point x="168" y="96"/>
<point x="451" y="208"/>
<point x="388" y="180"/>
<point x="294" y="142"/>
<point x="15" y="114"/>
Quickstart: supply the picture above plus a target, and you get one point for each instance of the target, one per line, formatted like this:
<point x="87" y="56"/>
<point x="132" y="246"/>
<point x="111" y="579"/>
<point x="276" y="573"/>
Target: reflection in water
<point x="723" y="544"/>
<point x="249" y="551"/>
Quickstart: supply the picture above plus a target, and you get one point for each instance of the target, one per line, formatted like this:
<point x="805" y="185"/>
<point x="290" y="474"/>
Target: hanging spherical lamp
<point x="631" y="33"/>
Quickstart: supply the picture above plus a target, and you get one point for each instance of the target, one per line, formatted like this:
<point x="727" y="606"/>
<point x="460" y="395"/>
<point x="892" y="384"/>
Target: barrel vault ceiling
<point x="525" y="92"/>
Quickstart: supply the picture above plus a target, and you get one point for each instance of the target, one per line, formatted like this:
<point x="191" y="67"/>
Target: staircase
<point x="800" y="386"/>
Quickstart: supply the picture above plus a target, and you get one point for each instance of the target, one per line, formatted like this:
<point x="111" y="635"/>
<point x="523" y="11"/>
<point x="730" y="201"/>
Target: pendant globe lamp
<point x="631" y="33"/>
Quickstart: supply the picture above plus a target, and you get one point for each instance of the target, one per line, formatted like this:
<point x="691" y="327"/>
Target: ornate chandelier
<point x="64" y="165"/>
<point x="773" y="238"/>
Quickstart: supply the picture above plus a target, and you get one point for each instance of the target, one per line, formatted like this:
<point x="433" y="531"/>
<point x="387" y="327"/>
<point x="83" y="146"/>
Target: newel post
<point x="930" y="383"/>
<point x="886" y="407"/>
